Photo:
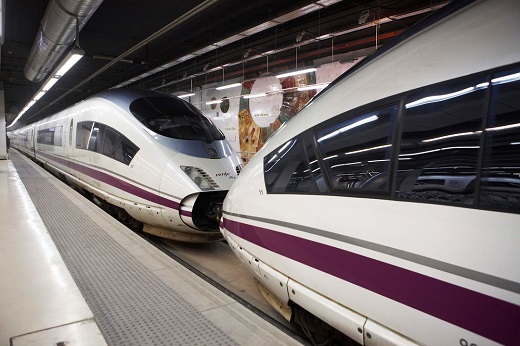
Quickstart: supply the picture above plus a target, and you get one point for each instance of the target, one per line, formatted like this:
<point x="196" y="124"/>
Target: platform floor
<point x="71" y="274"/>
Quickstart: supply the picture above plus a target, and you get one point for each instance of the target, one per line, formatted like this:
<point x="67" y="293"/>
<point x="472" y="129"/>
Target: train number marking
<point x="464" y="342"/>
<point x="261" y="192"/>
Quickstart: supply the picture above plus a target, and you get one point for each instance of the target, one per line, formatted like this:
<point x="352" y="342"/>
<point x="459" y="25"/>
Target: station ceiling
<point x="175" y="46"/>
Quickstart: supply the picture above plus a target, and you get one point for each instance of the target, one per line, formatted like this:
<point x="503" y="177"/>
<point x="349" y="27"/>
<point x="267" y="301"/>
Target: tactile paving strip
<point x="130" y="304"/>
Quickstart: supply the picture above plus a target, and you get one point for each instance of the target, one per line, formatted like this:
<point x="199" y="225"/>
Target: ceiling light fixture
<point x="70" y="60"/>
<point x="186" y="95"/>
<point x="232" y="85"/>
<point x="312" y="87"/>
<point x="214" y="102"/>
<point x="288" y="74"/>
<point x="72" y="57"/>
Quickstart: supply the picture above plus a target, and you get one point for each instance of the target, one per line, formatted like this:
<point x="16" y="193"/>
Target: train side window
<point x="94" y="138"/>
<point x="97" y="135"/>
<point x="129" y="149"/>
<point x="440" y="143"/>
<point x="71" y="128"/>
<point x="112" y="138"/>
<point x="286" y="170"/>
<point x="45" y="136"/>
<point x="117" y="146"/>
<point x="500" y="176"/>
<point x="83" y="129"/>
<point x="356" y="152"/>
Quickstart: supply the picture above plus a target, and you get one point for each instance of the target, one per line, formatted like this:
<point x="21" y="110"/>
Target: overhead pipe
<point x="158" y="34"/>
<point x="59" y="28"/>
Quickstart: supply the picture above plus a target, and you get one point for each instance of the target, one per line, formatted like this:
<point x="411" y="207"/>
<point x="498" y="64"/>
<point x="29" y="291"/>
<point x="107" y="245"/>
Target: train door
<point x="70" y="147"/>
<point x="32" y="140"/>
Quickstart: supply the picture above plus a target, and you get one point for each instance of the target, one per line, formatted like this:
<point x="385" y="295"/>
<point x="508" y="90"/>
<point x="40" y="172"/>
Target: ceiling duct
<point x="57" y="31"/>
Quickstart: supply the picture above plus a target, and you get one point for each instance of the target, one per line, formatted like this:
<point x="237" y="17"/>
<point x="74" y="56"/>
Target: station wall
<point x="246" y="122"/>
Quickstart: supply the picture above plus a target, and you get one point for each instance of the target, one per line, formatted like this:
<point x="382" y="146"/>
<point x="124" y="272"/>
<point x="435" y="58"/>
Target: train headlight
<point x="199" y="177"/>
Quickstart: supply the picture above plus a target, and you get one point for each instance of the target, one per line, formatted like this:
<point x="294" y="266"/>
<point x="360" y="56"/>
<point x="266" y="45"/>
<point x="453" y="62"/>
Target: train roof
<point x="124" y="97"/>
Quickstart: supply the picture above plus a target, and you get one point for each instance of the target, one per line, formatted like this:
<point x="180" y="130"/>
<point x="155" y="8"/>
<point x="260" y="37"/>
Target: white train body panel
<point x="418" y="272"/>
<point x="150" y="186"/>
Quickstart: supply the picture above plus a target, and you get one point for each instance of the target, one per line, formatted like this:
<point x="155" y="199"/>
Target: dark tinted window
<point x="287" y="170"/>
<point x="440" y="143"/>
<point x="95" y="142"/>
<point x="50" y="136"/>
<point x="45" y="137"/>
<point x="111" y="142"/>
<point x="128" y="151"/>
<point x="356" y="151"/>
<point x="105" y="140"/>
<point x="172" y="117"/>
<point x="500" y="177"/>
<point x="83" y="129"/>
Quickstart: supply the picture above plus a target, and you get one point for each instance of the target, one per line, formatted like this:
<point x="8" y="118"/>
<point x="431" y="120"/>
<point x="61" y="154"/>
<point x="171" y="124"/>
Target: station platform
<point x="72" y="275"/>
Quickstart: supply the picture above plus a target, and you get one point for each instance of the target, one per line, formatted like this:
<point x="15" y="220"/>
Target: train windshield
<point x="174" y="118"/>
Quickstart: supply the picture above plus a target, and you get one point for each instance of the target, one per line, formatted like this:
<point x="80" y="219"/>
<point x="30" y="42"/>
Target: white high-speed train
<point x="143" y="154"/>
<point x="389" y="207"/>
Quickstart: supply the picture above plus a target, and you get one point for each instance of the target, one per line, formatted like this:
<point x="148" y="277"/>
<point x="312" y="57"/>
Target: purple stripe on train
<point x="490" y="317"/>
<point x="116" y="182"/>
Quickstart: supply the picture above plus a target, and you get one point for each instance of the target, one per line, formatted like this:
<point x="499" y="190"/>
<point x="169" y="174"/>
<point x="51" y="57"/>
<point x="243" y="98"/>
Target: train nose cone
<point x="202" y="210"/>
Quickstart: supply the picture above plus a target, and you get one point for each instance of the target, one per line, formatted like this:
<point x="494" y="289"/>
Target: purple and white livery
<point x="389" y="207"/>
<point x="143" y="154"/>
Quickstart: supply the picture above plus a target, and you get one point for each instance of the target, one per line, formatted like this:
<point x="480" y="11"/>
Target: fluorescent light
<point x="186" y="95"/>
<point x="506" y="79"/>
<point x="438" y="98"/>
<point x="66" y="64"/>
<point x="330" y="157"/>
<point x="349" y="127"/>
<point x="70" y="60"/>
<point x="505" y="127"/>
<point x="439" y="149"/>
<point x="287" y="74"/>
<point x="49" y="83"/>
<point x="214" y="102"/>
<point x="368" y="149"/>
<point x="312" y="87"/>
<point x="347" y="164"/>
<point x="39" y="95"/>
<point x="252" y="96"/>
<point x="452" y="135"/>
<point x="233" y="85"/>
<point x="322" y="37"/>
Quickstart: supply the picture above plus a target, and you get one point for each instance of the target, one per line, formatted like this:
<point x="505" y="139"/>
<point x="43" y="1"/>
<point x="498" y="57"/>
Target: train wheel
<point x="319" y="332"/>
<point x="129" y="221"/>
